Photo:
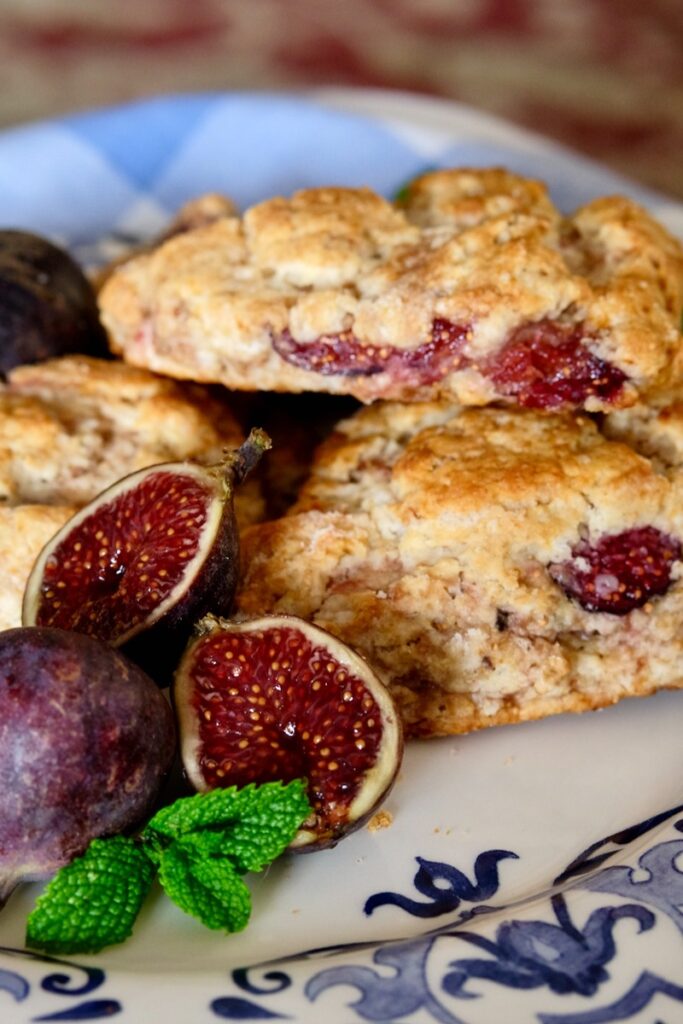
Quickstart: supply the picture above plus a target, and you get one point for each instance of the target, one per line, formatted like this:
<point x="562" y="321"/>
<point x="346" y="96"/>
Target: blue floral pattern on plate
<point x="464" y="928"/>
<point x="544" y="949"/>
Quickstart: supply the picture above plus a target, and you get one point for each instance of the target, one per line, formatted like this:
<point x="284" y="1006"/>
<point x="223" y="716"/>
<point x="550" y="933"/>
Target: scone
<point x="493" y="565"/>
<point x="473" y="287"/>
<point x="72" y="426"/>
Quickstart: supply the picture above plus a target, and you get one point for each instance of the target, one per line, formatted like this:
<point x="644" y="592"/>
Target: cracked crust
<point x="70" y="427"/>
<point x="423" y="539"/>
<point x="485" y="250"/>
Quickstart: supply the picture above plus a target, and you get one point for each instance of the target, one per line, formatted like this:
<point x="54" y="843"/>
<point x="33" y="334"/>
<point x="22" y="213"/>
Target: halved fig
<point x="149" y="555"/>
<point x="277" y="698"/>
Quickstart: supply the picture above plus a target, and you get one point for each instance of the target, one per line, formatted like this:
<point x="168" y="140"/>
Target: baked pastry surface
<point x="655" y="429"/>
<point x="71" y="427"/>
<point x="473" y="287"/>
<point x="493" y="565"/>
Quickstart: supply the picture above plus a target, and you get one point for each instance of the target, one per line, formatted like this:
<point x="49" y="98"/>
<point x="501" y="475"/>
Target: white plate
<point x="530" y="873"/>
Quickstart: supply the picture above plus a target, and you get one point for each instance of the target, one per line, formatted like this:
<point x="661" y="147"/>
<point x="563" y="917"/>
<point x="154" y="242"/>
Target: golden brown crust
<point x="467" y="198"/>
<point x="485" y="250"/>
<point x="424" y="539"/>
<point x="195" y="213"/>
<point x="70" y="427"/>
<point x="201" y="210"/>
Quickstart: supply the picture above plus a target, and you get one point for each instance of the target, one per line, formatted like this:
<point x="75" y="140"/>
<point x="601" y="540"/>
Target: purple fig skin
<point x="86" y="739"/>
<point x="47" y="305"/>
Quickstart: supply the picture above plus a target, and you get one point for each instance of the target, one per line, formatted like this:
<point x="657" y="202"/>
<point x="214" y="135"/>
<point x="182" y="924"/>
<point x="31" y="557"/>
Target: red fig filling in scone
<point x="622" y="571"/>
<point x="344" y="355"/>
<point x="277" y="707"/>
<point x="544" y="365"/>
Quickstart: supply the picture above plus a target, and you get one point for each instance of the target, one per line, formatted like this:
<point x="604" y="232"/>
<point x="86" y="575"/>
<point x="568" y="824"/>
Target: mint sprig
<point x="200" y="846"/>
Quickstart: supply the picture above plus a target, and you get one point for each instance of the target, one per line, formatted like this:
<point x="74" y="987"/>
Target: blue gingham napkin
<point x="119" y="173"/>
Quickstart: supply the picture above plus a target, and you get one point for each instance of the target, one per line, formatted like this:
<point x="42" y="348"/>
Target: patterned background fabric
<point x="603" y="76"/>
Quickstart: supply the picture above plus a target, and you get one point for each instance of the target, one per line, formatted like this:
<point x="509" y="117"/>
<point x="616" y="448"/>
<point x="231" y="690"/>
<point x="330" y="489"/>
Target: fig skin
<point x="47" y="306"/>
<point x="86" y="739"/>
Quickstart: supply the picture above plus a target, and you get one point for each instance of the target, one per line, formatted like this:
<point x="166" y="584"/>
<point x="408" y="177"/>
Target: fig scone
<point x="493" y="565"/>
<point x="473" y="287"/>
<point x="72" y="426"/>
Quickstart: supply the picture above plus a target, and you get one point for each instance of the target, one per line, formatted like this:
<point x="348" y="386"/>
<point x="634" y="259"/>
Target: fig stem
<point x="240" y="462"/>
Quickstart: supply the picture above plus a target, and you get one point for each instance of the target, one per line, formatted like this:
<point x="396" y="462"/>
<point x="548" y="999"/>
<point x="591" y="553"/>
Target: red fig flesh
<point x="157" y="549"/>
<point x="86" y="739"/>
<point x="278" y="698"/>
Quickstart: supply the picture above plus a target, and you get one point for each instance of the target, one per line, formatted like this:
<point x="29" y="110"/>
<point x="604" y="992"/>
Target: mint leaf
<point x="92" y="902"/>
<point x="201" y="846"/>
<point x="207" y="888"/>
<point x="256" y="823"/>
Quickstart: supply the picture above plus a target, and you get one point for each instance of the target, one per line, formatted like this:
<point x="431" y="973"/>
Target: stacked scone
<point x="499" y="531"/>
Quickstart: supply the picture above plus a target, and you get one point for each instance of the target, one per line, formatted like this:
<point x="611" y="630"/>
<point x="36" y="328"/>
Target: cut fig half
<point x="277" y="698"/>
<point x="149" y="555"/>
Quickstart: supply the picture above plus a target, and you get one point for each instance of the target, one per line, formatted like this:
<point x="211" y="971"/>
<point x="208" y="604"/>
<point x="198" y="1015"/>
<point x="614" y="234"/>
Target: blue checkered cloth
<point x="121" y="172"/>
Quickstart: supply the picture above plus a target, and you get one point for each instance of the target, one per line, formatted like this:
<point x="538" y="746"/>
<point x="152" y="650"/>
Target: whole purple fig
<point x="47" y="305"/>
<point x="86" y="739"/>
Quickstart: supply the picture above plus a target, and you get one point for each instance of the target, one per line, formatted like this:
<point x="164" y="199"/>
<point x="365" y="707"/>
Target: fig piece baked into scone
<point x="70" y="427"/>
<point x="473" y="287"/>
<point x="493" y="565"/>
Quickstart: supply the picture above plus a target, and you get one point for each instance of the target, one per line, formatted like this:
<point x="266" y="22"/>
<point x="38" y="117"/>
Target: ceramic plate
<point x="530" y="873"/>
